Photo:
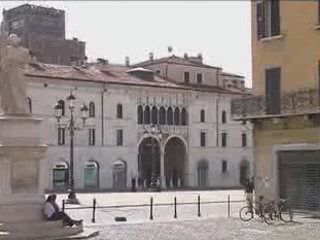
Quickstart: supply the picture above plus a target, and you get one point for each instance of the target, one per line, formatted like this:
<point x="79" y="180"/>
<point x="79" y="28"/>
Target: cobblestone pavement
<point x="213" y="224"/>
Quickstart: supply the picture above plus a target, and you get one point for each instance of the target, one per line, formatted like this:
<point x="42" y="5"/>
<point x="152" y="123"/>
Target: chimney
<point x="151" y="56"/>
<point x="127" y="61"/>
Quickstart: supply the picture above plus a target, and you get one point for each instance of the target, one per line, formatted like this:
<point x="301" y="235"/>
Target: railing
<point x="152" y="205"/>
<point x="168" y="129"/>
<point x="292" y="103"/>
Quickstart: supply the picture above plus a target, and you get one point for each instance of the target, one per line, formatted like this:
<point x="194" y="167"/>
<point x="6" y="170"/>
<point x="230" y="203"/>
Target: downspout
<point x="217" y="110"/>
<point x="102" y="114"/>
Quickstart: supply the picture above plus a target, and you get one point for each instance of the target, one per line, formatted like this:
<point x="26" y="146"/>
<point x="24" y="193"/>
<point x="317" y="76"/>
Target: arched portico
<point x="149" y="160"/>
<point x="175" y="163"/>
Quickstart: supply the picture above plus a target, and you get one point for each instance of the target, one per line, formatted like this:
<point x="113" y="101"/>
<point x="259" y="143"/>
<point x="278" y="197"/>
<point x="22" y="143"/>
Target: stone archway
<point x="149" y="161"/>
<point x="175" y="163"/>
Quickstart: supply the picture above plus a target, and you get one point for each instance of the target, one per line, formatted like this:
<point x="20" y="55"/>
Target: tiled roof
<point x="174" y="60"/>
<point x="112" y="74"/>
<point x="109" y="74"/>
<point x="231" y="75"/>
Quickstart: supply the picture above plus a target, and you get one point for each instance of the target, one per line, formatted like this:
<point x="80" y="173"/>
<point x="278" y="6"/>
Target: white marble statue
<point x="13" y="98"/>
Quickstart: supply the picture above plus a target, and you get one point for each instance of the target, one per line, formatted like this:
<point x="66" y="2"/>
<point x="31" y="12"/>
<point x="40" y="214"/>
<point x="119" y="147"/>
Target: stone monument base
<point x="22" y="182"/>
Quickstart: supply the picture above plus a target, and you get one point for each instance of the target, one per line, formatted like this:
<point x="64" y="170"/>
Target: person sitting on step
<point x="53" y="212"/>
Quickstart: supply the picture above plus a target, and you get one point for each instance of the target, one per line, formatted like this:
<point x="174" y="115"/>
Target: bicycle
<point x="277" y="209"/>
<point x="246" y="213"/>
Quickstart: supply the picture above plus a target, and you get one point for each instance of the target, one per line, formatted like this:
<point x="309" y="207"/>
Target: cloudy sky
<point x="220" y="30"/>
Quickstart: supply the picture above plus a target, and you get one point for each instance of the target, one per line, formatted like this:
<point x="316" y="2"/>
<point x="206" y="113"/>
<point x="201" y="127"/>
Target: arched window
<point x="184" y="117"/>
<point x="119" y="174"/>
<point x="61" y="103"/>
<point x="244" y="139"/>
<point x="119" y="111"/>
<point x="170" y="116"/>
<point x="224" y="117"/>
<point x="162" y="116"/>
<point x="154" y="115"/>
<point x="91" y="109"/>
<point x="177" y="116"/>
<point x="202" y="116"/>
<point x="60" y="175"/>
<point x="146" y="115"/>
<point x="140" y="114"/>
<point x="30" y="105"/>
<point x="202" y="172"/>
<point x="91" y="175"/>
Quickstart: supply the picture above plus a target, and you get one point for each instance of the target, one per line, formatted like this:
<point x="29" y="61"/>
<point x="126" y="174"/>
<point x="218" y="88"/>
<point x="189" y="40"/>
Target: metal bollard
<point x="63" y="205"/>
<point x="94" y="211"/>
<point x="199" y="207"/>
<point x="151" y="208"/>
<point x="228" y="206"/>
<point x="175" y="207"/>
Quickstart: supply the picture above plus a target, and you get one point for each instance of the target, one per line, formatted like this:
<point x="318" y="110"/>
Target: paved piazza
<point x="213" y="223"/>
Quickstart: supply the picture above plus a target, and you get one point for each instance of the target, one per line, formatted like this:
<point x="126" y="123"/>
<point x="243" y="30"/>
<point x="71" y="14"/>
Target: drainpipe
<point x="102" y="114"/>
<point x="217" y="110"/>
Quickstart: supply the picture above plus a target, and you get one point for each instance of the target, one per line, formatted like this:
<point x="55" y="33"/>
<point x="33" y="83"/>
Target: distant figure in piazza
<point x="13" y="98"/>
<point x="53" y="213"/>
<point x="248" y="189"/>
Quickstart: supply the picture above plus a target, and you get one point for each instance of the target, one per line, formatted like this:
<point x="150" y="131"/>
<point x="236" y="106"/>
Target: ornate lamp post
<point x="156" y="132"/>
<point x="72" y="199"/>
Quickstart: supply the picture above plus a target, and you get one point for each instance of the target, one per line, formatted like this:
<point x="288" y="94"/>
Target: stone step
<point x="39" y="230"/>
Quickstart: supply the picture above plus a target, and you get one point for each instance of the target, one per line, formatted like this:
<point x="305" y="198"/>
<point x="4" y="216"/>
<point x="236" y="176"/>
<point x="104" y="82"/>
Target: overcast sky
<point x="220" y="30"/>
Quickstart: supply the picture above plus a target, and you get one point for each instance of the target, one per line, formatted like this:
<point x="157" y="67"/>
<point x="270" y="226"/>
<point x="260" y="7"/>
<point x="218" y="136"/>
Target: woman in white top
<point x="53" y="213"/>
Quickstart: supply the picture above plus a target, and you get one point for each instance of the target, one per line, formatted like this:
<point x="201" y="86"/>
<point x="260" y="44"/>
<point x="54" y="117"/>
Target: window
<point x="224" y="139"/>
<point x="158" y="72"/>
<point x="224" y="166"/>
<point x="199" y="78"/>
<point x="202" y="139"/>
<point x="224" y="117"/>
<point x="29" y="104"/>
<point x="273" y="77"/>
<point x="120" y="137"/>
<point x="186" y="77"/>
<point x="91" y="109"/>
<point x="140" y="114"/>
<point x="61" y="102"/>
<point x="318" y="11"/>
<point x="202" y="116"/>
<point x="268" y="18"/>
<point x="16" y="24"/>
<point x="244" y="139"/>
<point x="119" y="111"/>
<point x="91" y="137"/>
<point x="61" y="136"/>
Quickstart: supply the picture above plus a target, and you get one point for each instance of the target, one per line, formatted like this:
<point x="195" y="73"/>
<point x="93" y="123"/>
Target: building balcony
<point x="301" y="102"/>
<point x="167" y="130"/>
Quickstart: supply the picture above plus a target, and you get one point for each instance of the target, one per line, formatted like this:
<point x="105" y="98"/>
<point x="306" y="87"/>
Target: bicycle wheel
<point x="269" y="214"/>
<point x="246" y="213"/>
<point x="285" y="213"/>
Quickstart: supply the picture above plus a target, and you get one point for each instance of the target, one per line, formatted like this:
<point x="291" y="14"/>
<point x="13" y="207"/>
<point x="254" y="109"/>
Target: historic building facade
<point x="285" y="107"/>
<point x="140" y="123"/>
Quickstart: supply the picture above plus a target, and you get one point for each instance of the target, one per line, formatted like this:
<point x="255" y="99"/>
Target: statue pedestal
<point x="22" y="182"/>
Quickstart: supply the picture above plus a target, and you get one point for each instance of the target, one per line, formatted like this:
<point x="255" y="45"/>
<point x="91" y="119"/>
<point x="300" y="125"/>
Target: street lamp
<point x="154" y="131"/>
<point x="72" y="199"/>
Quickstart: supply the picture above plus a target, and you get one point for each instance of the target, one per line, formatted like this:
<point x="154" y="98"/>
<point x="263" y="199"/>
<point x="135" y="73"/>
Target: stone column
<point x="162" y="173"/>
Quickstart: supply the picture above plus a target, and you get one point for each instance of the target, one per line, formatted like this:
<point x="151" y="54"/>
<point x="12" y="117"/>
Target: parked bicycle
<point x="277" y="209"/>
<point x="246" y="213"/>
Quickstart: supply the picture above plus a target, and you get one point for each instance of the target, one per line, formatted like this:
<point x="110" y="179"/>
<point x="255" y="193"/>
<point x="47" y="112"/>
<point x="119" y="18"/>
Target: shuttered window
<point x="260" y="19"/>
<point x="273" y="76"/>
<point x="202" y="139"/>
<point x="318" y="11"/>
<point x="268" y="18"/>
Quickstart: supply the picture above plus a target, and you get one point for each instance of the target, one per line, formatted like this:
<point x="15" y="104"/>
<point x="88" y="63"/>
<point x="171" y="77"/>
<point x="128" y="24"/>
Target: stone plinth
<point x="22" y="181"/>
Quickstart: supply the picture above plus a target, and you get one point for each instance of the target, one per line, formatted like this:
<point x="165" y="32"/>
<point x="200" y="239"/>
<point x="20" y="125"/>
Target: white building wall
<point x="105" y="152"/>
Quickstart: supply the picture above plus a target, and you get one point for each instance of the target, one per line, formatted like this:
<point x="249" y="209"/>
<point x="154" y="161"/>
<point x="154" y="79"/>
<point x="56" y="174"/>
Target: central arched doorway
<point x="149" y="160"/>
<point x="175" y="163"/>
